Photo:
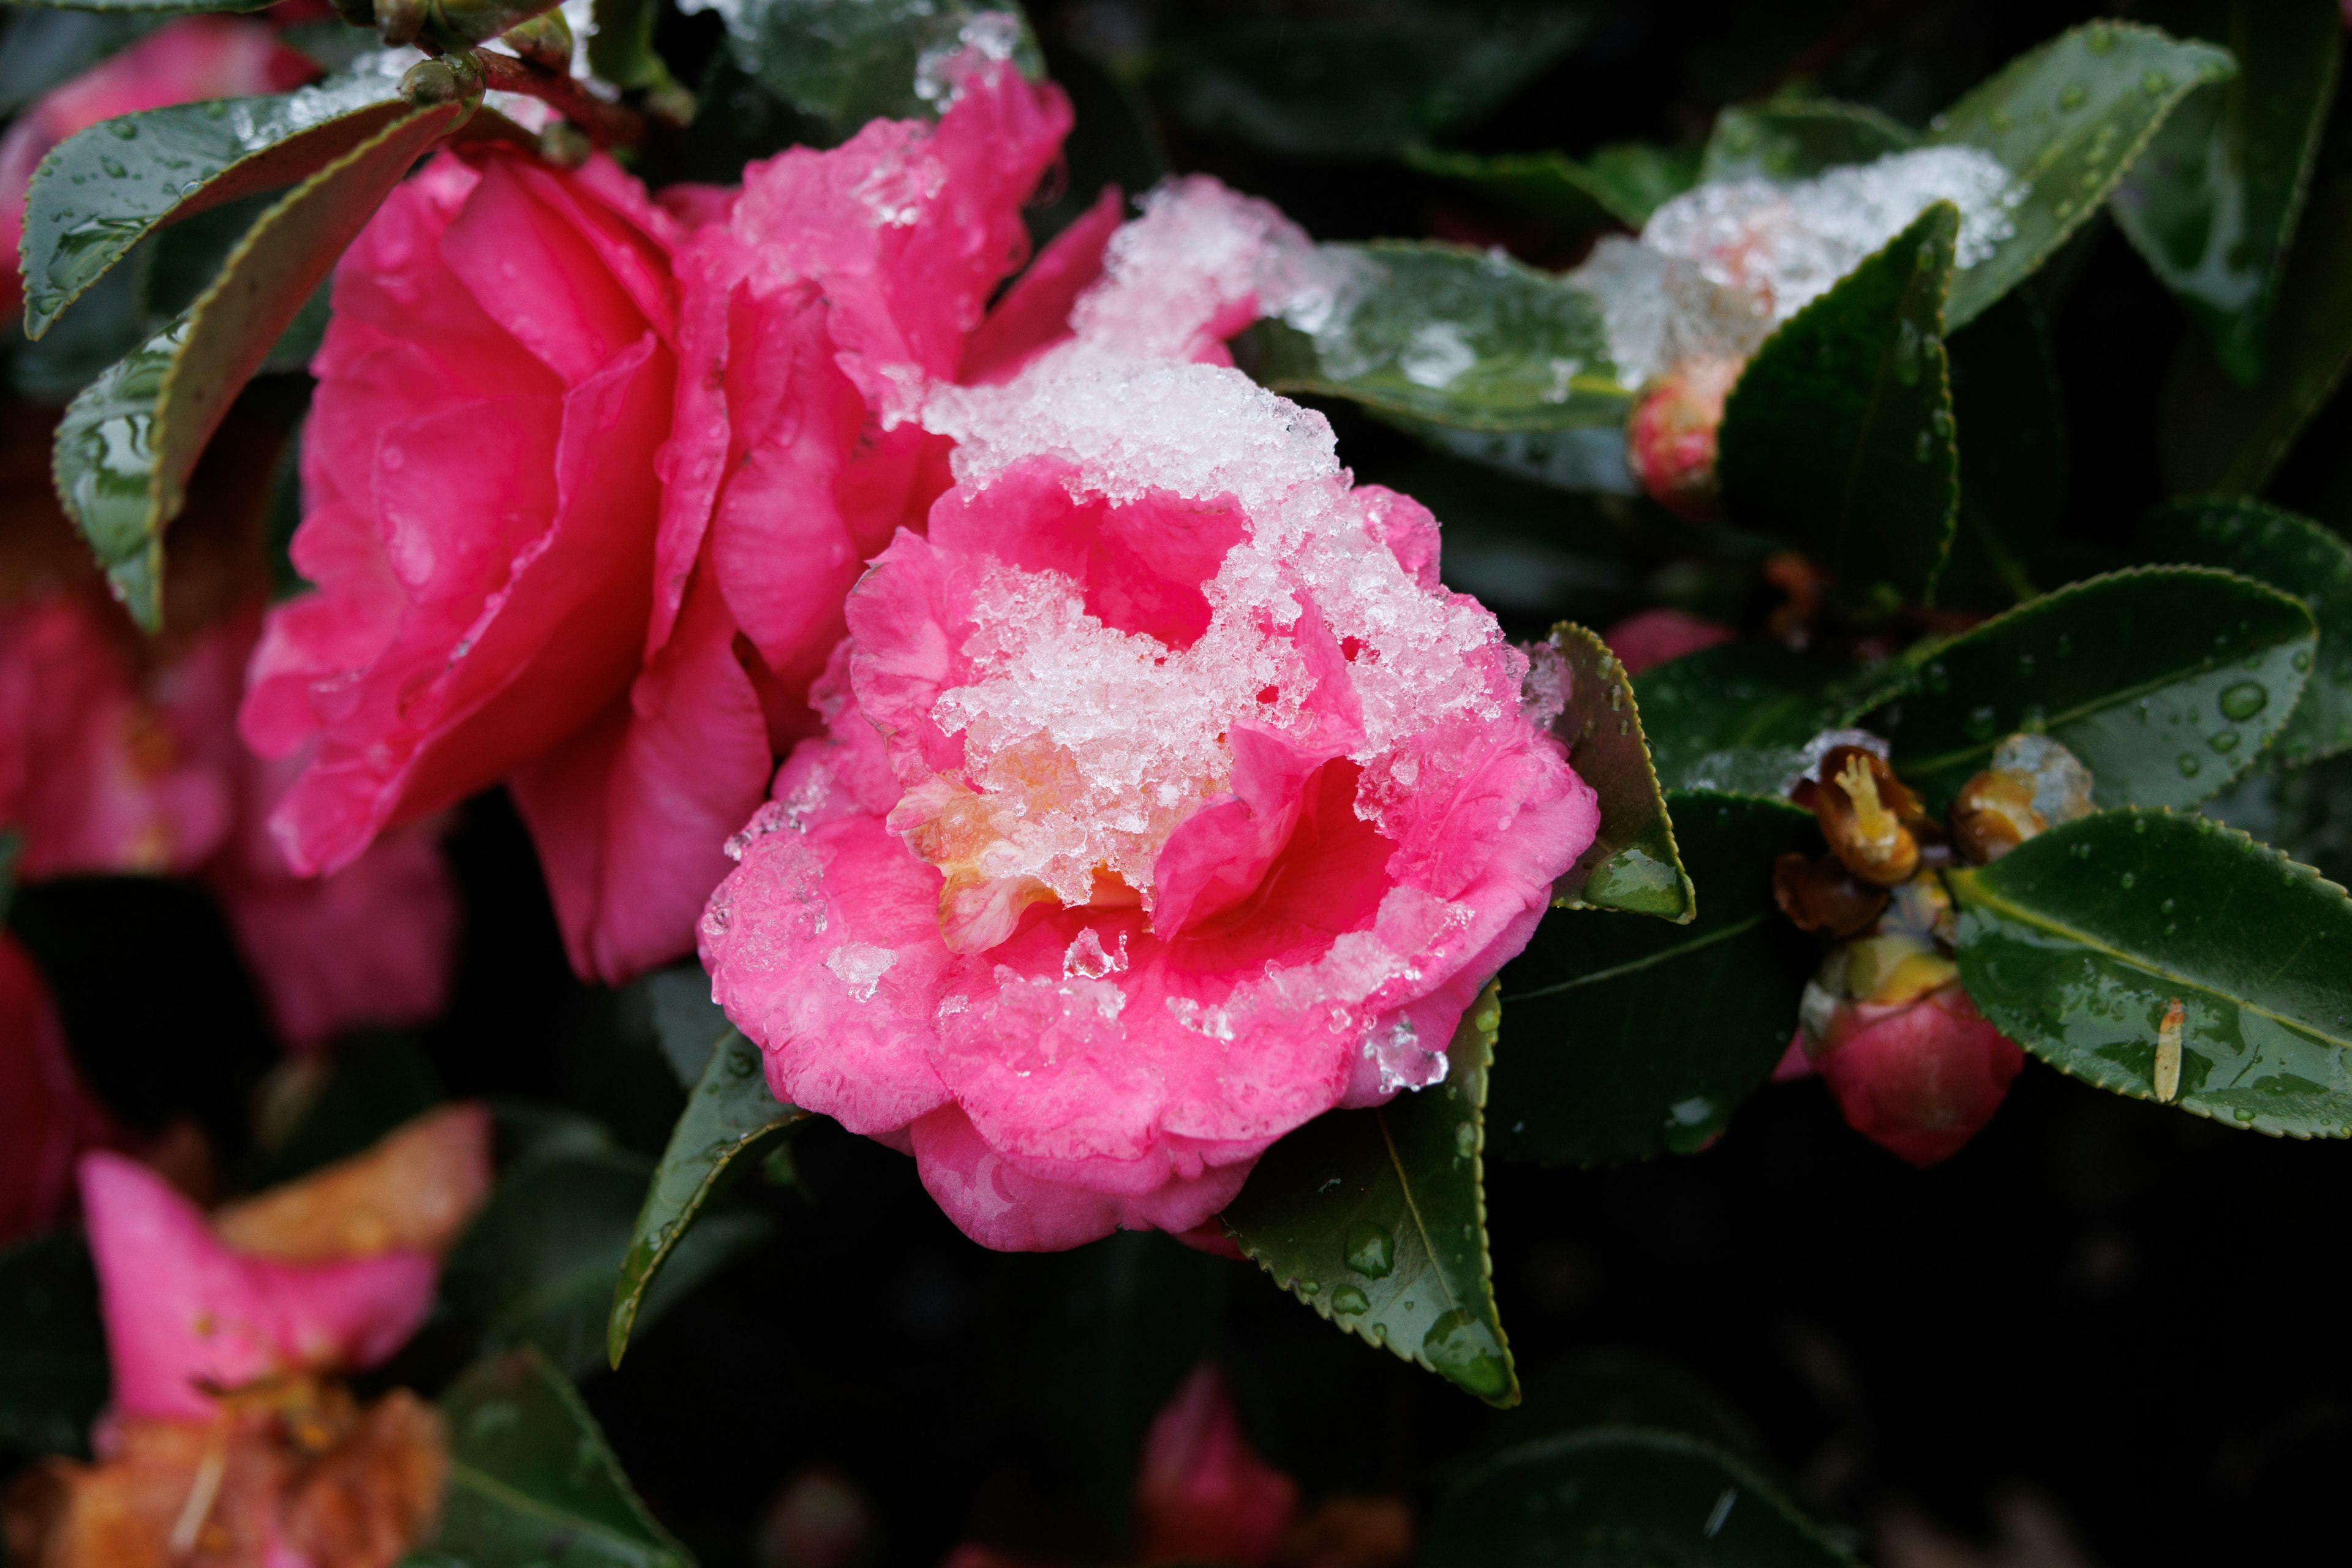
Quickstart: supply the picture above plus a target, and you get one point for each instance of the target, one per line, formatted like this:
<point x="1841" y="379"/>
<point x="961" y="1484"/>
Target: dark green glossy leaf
<point x="128" y="442"/>
<point x="1797" y="139"/>
<point x="1839" y="437"/>
<point x="1737" y="718"/>
<point x="845" y="62"/>
<point x="1362" y="80"/>
<point x="2306" y="811"/>
<point x="2216" y="437"/>
<point x="1631" y="864"/>
<point x="41" y="48"/>
<point x="1584" y="460"/>
<point x="1618" y="184"/>
<point x="621" y="48"/>
<point x="538" y="1263"/>
<point x="2067" y="119"/>
<point x="1631" y="1038"/>
<point x="2295" y="555"/>
<point x="2213" y="201"/>
<point x="531" y="1480"/>
<point x="1617" y="1498"/>
<point x="2012" y="420"/>
<point x="53" y="1369"/>
<point x="688" y="1024"/>
<point x="1377" y="1219"/>
<point x="104" y="189"/>
<point x="2076" y="943"/>
<point x="730" y="1120"/>
<point x="1457" y="336"/>
<point x="2167" y="681"/>
<point x="79" y="349"/>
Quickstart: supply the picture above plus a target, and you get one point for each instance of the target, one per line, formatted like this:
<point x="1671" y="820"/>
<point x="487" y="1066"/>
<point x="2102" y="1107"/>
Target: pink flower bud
<point x="1919" y="1078"/>
<point x="1202" y="1494"/>
<point x="1671" y="439"/>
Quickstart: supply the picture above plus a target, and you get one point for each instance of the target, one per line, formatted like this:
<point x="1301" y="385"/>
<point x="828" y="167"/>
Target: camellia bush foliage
<point x="818" y="782"/>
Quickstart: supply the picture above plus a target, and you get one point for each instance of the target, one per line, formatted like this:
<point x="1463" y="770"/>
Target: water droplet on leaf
<point x="1372" y="1250"/>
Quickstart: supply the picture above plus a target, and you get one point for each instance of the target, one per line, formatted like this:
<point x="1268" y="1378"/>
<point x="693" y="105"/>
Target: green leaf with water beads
<point x="1455" y="336"/>
<point x="2215" y="436"/>
<point x="1797" y="139"/>
<point x="2295" y="555"/>
<point x="1624" y="183"/>
<point x="1377" y="1219"/>
<point x="1631" y="864"/>
<point x="531" y="1479"/>
<point x="2167" y="681"/>
<point x="1631" y="1038"/>
<point x="1737" y="718"/>
<point x="730" y="1120"/>
<point x="129" y="442"/>
<point x="104" y="189"/>
<point x="2213" y="201"/>
<point x="1608" y="1496"/>
<point x="845" y="62"/>
<point x="2067" y="119"/>
<point x="2077" y="942"/>
<point x="1839" y="436"/>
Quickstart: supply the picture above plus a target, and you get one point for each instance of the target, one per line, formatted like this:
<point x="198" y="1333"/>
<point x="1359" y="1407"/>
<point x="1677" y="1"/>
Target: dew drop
<point x="1982" y="724"/>
<point x="2225" y="742"/>
<point x="2128" y="881"/>
<point x="1458" y="1345"/>
<point x="1349" y="1299"/>
<point x="114" y="170"/>
<point x="2154" y="83"/>
<point x="2190" y="767"/>
<point x="125" y="130"/>
<point x="2301" y="659"/>
<point x="1372" y="1250"/>
<point x="2072" y="96"/>
<point x="2244" y="700"/>
<point x="2099" y="41"/>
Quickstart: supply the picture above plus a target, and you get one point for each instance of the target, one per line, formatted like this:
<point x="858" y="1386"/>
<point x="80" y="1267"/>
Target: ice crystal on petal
<point x="1087" y="959"/>
<point x="989" y="37"/>
<point x="860" y="966"/>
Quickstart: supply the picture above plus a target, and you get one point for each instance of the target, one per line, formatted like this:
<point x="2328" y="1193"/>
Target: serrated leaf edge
<point x="1615" y="669"/>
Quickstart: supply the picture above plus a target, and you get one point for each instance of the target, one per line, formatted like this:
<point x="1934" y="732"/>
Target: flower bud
<point x="544" y="40"/>
<point x="2033" y="784"/>
<point x="450" y="79"/>
<point x="1865" y="812"/>
<point x="1918" y="1075"/>
<point x="1202" y="1493"/>
<point x="1671" y="439"/>
<point x="1822" y="895"/>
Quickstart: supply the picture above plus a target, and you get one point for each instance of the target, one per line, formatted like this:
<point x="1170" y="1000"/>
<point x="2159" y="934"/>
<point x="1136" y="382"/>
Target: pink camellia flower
<point x="1166" y="803"/>
<point x="47" y="1117"/>
<point x="1919" y="1078"/>
<point x="192" y="58"/>
<point x="1652" y="637"/>
<point x="1202" y="1494"/>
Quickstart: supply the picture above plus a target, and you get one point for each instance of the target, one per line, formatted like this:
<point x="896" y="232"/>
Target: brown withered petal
<point x="176" y="1494"/>
<point x="365" y="1502"/>
<point x="1993" y="814"/>
<point x="416" y="1188"/>
<point x="1349" y="1533"/>
<point x="1822" y="895"/>
<point x="1865" y="812"/>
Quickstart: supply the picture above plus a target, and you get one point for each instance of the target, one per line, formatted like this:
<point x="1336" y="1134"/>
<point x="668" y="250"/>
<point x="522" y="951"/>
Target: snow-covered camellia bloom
<point x="1166" y="803"/>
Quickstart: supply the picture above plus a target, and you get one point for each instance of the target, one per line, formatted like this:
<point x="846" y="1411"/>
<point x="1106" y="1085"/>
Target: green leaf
<point x="1377" y="1219"/>
<point x="730" y="1122"/>
<point x="531" y="1480"/>
<point x="104" y="189"/>
<point x="1616" y="1498"/>
<point x="688" y="1024"/>
<point x="2306" y="811"/>
<point x="53" y="1367"/>
<point x="1838" y="437"/>
<point x="2213" y="201"/>
<point x="1631" y="1038"/>
<point x="2077" y="942"/>
<point x="2167" y="681"/>
<point x="41" y="49"/>
<point x="1624" y="183"/>
<point x="2009" y="408"/>
<point x="128" y="442"/>
<point x="2067" y="119"/>
<point x="1360" y="84"/>
<point x="538" y="1263"/>
<point x="1737" y="718"/>
<point x="845" y="62"/>
<point x="1580" y="459"/>
<point x="1797" y="139"/>
<point x="1631" y="864"/>
<point x="2295" y="555"/>
<point x="1457" y="336"/>
<point x="2216" y="437"/>
<point x="621" y="47"/>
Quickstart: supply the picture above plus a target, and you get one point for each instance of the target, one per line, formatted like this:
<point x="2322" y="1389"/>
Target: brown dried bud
<point x="1993" y="814"/>
<point x="1867" y="814"/>
<point x="1822" y="895"/>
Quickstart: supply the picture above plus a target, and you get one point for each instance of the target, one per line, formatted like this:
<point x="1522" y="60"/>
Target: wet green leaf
<point x="621" y="47"/>
<point x="2167" y="681"/>
<point x="730" y="1122"/>
<point x="128" y="442"/>
<point x="2216" y="437"/>
<point x="1631" y="864"/>
<point x="2306" y="811"/>
<point x="1839" y="437"/>
<point x="2077" y="942"/>
<point x="1797" y="139"/>
<point x="1624" y="183"/>
<point x="2295" y="555"/>
<point x="688" y="1025"/>
<point x="1362" y="80"/>
<point x="845" y="62"/>
<point x="2010" y="417"/>
<point x="104" y="189"/>
<point x="1737" y="718"/>
<point x="1586" y="459"/>
<point x="2067" y="119"/>
<point x="1631" y="1038"/>
<point x="1377" y="1219"/>
<point x="1455" y="336"/>
<point x="2213" y="201"/>
<point x="538" y="1263"/>
<point x="531" y="1480"/>
<point x="1619" y="1498"/>
<point x="53" y="1368"/>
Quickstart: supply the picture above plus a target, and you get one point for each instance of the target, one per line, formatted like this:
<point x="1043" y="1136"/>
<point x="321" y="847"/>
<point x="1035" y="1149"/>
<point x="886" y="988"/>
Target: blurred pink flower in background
<point x="191" y="59"/>
<point x="47" y="1117"/>
<point x="1202" y="1493"/>
<point x="1652" y="637"/>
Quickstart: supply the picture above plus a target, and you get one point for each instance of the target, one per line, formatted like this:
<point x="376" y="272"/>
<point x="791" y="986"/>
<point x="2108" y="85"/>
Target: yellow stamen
<point x="1873" y="823"/>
